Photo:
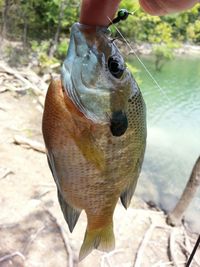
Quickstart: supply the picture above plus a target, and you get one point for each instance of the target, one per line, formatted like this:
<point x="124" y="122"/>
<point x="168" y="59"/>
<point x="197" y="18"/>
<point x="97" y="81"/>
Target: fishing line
<point x="132" y="13"/>
<point x="140" y="61"/>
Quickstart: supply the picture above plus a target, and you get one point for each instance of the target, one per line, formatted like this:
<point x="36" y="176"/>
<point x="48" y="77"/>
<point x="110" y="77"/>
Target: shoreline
<point x="146" y="49"/>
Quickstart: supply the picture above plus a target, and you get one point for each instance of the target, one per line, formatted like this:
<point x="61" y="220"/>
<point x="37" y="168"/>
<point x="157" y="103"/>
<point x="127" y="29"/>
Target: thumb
<point x="162" y="7"/>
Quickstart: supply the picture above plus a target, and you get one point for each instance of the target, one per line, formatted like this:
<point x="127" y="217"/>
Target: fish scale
<point x="91" y="166"/>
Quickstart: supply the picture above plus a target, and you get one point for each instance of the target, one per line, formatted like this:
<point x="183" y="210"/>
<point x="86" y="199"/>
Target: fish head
<point x="95" y="76"/>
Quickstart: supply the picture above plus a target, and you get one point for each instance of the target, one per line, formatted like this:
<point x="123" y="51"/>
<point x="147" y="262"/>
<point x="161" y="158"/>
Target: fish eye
<point x="115" y="67"/>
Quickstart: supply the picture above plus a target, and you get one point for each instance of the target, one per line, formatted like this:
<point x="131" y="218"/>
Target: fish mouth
<point x="118" y="123"/>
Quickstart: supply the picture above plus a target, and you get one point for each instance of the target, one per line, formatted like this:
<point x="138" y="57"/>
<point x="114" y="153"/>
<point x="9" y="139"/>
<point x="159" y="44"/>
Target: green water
<point x="173" y="142"/>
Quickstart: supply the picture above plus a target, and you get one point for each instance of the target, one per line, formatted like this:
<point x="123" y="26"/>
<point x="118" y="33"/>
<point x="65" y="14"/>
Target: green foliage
<point x="162" y="33"/>
<point x="142" y="27"/>
<point x="62" y="48"/>
<point x="162" y="53"/>
<point x="193" y="32"/>
<point x="40" y="49"/>
<point x="134" y="72"/>
<point x="132" y="69"/>
<point x="40" y="17"/>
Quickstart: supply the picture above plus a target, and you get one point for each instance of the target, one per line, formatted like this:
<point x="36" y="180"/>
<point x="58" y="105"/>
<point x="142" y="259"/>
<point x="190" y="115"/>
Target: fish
<point x="94" y="129"/>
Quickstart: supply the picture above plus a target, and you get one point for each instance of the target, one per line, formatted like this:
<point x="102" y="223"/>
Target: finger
<point x="162" y="7"/>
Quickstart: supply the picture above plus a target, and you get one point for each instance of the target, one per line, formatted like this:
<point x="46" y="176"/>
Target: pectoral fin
<point x="71" y="215"/>
<point x="91" y="151"/>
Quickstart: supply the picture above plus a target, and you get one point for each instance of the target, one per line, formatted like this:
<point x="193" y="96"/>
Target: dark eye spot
<point x="118" y="123"/>
<point x="115" y="67"/>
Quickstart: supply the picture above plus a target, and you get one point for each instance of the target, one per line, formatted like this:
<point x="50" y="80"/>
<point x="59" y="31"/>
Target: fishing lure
<point x="121" y="15"/>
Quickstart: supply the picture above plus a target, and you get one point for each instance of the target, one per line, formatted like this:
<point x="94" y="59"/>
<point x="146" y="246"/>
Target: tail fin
<point x="102" y="239"/>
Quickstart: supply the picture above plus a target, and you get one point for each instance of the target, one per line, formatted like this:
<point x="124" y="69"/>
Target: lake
<point x="173" y="142"/>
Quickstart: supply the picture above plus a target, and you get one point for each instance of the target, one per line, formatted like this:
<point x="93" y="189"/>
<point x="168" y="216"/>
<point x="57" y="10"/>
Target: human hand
<point x="98" y="13"/>
<point x="163" y="7"/>
<point x="95" y="12"/>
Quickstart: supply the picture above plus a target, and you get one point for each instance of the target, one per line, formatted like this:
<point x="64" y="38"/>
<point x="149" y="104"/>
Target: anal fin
<point x="126" y="196"/>
<point x="71" y="215"/>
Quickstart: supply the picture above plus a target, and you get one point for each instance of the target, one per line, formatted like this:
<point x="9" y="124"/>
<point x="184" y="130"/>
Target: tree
<point x="56" y="37"/>
<point x="5" y="10"/>
<point x="189" y="192"/>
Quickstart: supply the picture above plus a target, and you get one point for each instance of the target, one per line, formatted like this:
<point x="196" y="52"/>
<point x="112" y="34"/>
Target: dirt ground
<point x="33" y="232"/>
